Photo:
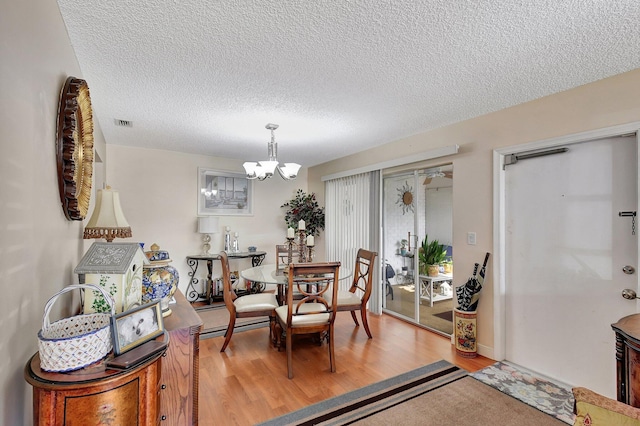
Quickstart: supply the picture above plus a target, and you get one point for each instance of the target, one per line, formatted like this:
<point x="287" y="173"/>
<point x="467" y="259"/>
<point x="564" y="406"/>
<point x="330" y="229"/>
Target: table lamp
<point x="207" y="225"/>
<point x="107" y="220"/>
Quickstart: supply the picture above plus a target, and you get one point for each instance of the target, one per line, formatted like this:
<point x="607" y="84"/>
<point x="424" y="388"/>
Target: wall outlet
<point x="471" y="238"/>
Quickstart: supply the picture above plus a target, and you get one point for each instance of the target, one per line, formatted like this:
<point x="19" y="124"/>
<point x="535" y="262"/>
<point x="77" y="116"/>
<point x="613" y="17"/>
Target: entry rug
<point x="553" y="398"/>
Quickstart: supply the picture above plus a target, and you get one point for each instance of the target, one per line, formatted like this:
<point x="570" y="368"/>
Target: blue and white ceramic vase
<point x="159" y="279"/>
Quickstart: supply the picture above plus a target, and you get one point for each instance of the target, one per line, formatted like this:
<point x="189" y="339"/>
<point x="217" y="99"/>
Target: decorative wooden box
<point x="117" y="267"/>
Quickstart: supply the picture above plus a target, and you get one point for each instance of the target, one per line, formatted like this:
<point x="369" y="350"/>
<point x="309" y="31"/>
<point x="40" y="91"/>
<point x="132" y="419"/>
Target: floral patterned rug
<point x="553" y="398"/>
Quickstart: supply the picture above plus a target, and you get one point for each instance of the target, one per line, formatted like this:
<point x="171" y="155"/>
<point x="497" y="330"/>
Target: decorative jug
<point x="159" y="279"/>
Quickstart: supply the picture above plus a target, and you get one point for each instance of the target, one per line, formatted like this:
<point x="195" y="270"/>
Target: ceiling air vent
<point x="123" y="123"/>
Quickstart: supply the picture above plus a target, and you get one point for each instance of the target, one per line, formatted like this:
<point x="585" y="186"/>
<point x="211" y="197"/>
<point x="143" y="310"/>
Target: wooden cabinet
<point x="163" y="390"/>
<point x="628" y="359"/>
<point x="95" y="395"/>
<point x="179" y="387"/>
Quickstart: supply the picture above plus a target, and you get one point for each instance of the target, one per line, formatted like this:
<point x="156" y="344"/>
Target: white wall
<point x="39" y="247"/>
<point x="605" y="103"/>
<point x="158" y="191"/>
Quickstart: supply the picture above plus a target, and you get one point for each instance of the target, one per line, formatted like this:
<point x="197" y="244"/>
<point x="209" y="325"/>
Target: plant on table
<point x="448" y="265"/>
<point x="403" y="246"/>
<point x="431" y="255"/>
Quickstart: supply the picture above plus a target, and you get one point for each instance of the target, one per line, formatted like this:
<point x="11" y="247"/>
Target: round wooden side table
<point x="96" y="394"/>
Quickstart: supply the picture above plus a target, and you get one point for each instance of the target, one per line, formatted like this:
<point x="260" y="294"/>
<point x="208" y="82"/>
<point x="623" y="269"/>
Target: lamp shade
<point x="290" y="170"/>
<point x="208" y="225"/>
<point x="107" y="220"/>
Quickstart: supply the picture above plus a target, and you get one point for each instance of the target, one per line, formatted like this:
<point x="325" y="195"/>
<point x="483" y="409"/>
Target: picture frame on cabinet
<point x="136" y="326"/>
<point x="224" y="193"/>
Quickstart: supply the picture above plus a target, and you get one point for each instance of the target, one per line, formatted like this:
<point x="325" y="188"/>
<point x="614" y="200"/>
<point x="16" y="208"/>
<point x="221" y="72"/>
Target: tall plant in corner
<point x="304" y="207"/>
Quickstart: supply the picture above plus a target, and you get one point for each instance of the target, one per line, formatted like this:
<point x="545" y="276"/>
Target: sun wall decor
<point x="405" y="198"/>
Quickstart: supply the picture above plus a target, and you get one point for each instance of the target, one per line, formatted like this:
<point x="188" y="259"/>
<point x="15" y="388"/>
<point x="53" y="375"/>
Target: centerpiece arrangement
<point x="304" y="214"/>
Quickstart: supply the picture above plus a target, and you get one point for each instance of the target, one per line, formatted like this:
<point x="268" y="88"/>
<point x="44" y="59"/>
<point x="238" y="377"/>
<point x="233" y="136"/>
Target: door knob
<point x="629" y="294"/>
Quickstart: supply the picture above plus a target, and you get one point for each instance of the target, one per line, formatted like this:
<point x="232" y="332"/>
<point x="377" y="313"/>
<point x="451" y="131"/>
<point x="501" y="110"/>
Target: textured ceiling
<point x="205" y="76"/>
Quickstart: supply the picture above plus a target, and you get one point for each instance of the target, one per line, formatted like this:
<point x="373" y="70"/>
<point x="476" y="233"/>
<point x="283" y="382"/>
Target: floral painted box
<point x="117" y="267"/>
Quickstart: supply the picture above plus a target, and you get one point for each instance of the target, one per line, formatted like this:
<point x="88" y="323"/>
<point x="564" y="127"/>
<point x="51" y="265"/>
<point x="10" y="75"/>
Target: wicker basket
<point x="73" y="343"/>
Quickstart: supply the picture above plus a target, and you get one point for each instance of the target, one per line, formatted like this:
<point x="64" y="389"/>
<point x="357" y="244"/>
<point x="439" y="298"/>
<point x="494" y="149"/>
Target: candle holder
<point x="310" y="256"/>
<point x="290" y="244"/>
<point x="302" y="246"/>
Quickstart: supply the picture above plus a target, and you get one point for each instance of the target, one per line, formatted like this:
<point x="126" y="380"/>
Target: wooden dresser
<point x="628" y="359"/>
<point x="163" y="390"/>
<point x="179" y="389"/>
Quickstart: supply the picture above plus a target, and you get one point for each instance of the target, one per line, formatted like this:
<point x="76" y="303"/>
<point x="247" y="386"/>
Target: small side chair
<point x="362" y="280"/>
<point x="251" y="305"/>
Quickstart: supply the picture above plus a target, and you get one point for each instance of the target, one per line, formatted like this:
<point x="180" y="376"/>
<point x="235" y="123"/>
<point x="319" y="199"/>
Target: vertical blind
<point x="352" y="222"/>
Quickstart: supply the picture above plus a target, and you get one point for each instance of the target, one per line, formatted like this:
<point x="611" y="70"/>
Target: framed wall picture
<point x="224" y="193"/>
<point x="136" y="326"/>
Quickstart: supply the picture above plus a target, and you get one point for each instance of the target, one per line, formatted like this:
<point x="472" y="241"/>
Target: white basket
<point x="73" y="343"/>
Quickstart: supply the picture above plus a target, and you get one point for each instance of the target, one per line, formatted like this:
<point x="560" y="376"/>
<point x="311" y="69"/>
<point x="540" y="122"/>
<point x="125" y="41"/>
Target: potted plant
<point x="448" y="266"/>
<point x="304" y="207"/>
<point x="431" y="255"/>
<point x="403" y="247"/>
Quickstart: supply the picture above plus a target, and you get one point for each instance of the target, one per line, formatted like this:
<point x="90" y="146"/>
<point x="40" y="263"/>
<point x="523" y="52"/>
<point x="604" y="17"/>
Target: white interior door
<point x="565" y="248"/>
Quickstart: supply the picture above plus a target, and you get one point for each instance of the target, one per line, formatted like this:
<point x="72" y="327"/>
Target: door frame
<point x="499" y="217"/>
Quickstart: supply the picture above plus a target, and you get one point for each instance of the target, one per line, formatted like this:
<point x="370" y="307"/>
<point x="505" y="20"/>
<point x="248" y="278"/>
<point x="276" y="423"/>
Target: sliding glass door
<point x="416" y="204"/>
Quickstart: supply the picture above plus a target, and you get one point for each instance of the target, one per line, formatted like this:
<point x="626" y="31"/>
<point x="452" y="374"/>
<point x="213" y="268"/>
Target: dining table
<point x="269" y="274"/>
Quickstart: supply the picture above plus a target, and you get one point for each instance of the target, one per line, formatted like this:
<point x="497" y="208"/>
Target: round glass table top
<point x="267" y="274"/>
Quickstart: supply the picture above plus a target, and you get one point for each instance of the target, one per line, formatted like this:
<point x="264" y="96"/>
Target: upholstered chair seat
<point x="308" y="318"/>
<point x="256" y="302"/>
<point x="346" y="298"/>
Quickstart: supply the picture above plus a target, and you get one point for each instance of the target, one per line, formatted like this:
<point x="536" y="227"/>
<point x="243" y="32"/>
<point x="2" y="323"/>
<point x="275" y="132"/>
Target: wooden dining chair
<point x="311" y="314"/>
<point x="282" y="259"/>
<point x="356" y="298"/>
<point x="282" y="254"/>
<point x="251" y="305"/>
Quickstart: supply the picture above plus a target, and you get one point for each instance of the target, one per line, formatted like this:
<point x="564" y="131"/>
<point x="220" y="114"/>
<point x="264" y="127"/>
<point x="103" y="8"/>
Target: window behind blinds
<point x="352" y="222"/>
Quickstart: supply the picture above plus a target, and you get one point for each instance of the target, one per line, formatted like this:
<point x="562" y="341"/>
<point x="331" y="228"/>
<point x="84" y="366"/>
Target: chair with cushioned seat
<point x="363" y="281"/>
<point x="282" y="264"/>
<point x="252" y="305"/>
<point x="311" y="314"/>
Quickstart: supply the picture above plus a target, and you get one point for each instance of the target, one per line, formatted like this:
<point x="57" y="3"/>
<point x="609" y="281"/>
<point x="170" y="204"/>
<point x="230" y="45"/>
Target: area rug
<point x="436" y="394"/>
<point x="446" y="315"/>
<point x="215" y="320"/>
<point x="548" y="396"/>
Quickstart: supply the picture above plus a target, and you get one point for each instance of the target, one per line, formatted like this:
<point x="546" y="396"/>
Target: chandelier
<point x="265" y="169"/>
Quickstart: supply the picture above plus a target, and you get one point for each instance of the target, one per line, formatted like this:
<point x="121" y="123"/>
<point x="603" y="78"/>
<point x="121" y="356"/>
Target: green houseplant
<point x="304" y="207"/>
<point x="431" y="255"/>
<point x="403" y="247"/>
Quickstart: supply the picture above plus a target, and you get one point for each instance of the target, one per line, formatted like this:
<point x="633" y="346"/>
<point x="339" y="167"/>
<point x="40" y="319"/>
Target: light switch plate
<point x="471" y="238"/>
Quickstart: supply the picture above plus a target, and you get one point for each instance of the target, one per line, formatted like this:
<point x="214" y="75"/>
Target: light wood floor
<point x="248" y="383"/>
